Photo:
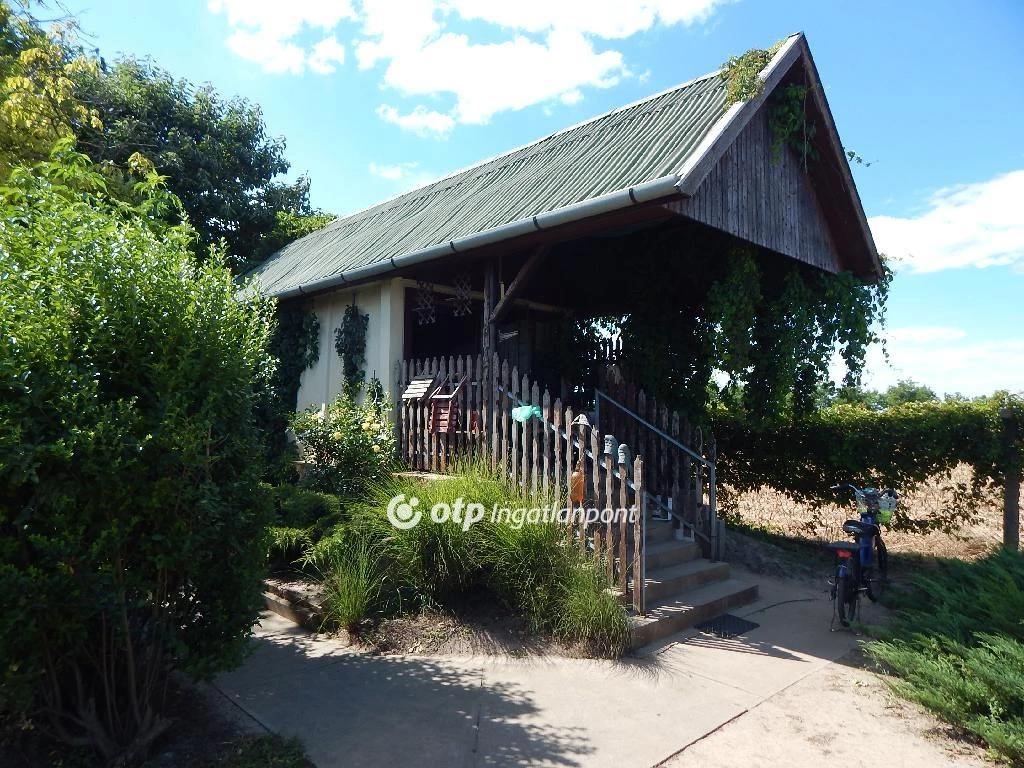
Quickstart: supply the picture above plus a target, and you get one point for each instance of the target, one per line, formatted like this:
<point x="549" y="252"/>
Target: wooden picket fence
<point x="539" y="455"/>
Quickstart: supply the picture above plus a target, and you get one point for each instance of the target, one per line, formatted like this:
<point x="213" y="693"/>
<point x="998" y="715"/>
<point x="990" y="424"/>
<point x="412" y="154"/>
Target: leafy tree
<point x="289" y="226"/>
<point x="214" y="152"/>
<point x="904" y="391"/>
<point x="38" y="104"/>
<point x="132" y="521"/>
<point x="908" y="391"/>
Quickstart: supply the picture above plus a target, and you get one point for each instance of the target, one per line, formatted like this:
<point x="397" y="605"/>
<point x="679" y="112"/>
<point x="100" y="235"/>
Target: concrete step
<point x="676" y="579"/>
<point x="668" y="553"/>
<point x="675" y="614"/>
<point x="659" y="531"/>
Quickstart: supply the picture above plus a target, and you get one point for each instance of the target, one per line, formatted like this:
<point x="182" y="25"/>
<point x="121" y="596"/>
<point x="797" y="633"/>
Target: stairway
<point x="683" y="588"/>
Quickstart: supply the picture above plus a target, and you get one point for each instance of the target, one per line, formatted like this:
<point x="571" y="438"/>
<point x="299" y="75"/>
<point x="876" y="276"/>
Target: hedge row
<point x="900" y="447"/>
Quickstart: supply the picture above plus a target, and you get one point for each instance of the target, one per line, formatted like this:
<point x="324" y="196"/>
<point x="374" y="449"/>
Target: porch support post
<point x="488" y="340"/>
<point x="520" y="282"/>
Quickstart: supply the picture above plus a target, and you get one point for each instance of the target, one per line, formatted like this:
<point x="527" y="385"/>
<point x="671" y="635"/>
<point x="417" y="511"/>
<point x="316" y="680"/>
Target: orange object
<point x="576" y="484"/>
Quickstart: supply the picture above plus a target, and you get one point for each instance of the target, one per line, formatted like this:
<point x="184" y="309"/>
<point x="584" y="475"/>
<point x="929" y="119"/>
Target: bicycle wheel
<point x="846" y="599"/>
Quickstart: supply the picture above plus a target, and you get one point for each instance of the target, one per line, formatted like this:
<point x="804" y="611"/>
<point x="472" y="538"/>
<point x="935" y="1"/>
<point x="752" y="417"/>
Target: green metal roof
<point x="621" y="150"/>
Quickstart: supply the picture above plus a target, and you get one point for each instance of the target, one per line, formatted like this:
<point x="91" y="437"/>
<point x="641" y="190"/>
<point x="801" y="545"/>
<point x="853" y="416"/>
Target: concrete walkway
<point x="354" y="709"/>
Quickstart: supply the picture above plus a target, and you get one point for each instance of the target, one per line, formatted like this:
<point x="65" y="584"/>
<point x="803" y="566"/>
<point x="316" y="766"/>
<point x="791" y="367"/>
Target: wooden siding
<point x="766" y="201"/>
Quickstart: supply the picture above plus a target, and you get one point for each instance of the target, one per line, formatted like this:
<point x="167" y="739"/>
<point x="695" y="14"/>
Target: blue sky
<point x="376" y="97"/>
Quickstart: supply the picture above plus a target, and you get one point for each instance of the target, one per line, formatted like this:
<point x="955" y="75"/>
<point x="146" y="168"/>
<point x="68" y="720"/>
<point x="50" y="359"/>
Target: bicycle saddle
<point x="857" y="528"/>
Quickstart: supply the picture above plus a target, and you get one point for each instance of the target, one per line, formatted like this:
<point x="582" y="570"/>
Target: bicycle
<point x="863" y="564"/>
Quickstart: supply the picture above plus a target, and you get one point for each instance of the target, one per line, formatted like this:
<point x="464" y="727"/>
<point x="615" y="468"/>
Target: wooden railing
<point x="539" y="455"/>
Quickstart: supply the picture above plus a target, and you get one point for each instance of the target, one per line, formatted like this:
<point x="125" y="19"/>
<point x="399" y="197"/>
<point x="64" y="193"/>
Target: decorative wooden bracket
<point x="520" y="281"/>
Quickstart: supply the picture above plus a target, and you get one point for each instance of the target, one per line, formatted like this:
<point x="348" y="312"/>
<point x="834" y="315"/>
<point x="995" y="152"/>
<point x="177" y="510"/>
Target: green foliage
<point x="349" y="446"/>
<point x="899" y="447"/>
<point x="287" y="544"/>
<point x="590" y="612"/>
<point x="771" y="326"/>
<point x="132" y="521"/>
<point x="350" y="344"/>
<point x="957" y="645"/>
<point x="301" y="507"/>
<point x="296" y="347"/>
<point x="39" y="106"/>
<point x="528" y="567"/>
<point x="741" y="73"/>
<point x="353" y="581"/>
<point x="214" y="152"/>
<point x="289" y="226"/>
<point x="790" y="125"/>
<point x="900" y="393"/>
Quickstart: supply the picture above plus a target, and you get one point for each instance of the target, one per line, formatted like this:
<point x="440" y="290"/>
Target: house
<point x="485" y="264"/>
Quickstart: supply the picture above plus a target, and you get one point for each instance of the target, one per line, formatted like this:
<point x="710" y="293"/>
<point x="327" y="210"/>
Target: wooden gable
<point x="765" y="200"/>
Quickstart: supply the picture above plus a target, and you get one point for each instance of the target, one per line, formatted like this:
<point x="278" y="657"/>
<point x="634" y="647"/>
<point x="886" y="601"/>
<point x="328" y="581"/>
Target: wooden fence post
<point x="1011" y="480"/>
<point x="639" y="553"/>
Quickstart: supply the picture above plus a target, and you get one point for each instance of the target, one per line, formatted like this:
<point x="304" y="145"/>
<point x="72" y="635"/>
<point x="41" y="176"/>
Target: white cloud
<point x="326" y="54"/>
<point x="575" y="96"/>
<point x="537" y="52"/>
<point x="945" y="359"/>
<point x="264" y="32"/>
<point x="977" y="225"/>
<point x="609" y="19"/>
<point x="408" y="175"/>
<point x="422" y="121"/>
<point x="512" y="75"/>
<point x="272" y="54"/>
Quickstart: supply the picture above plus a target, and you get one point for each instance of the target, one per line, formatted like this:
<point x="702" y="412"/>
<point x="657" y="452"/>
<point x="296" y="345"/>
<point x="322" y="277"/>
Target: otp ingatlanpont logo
<point x="404" y="515"/>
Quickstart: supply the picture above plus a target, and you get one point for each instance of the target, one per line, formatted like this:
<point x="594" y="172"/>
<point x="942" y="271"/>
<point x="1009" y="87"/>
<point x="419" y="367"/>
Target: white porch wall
<point x="384" y="302"/>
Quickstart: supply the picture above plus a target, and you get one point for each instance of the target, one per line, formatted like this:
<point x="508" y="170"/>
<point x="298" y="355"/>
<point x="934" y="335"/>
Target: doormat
<point x="726" y="626"/>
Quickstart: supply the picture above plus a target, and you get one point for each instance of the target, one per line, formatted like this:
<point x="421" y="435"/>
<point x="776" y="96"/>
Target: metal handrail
<point x="598" y="394"/>
<point x="708" y="464"/>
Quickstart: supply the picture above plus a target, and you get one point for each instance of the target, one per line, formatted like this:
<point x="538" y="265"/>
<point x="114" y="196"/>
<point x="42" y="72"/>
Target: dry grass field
<point x="775" y="512"/>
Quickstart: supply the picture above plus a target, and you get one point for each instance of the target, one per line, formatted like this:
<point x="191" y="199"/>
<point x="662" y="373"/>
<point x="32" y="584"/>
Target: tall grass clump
<point x="354" y="582"/>
<point x="527" y="566"/>
<point x="957" y="647"/>
<point x="591" y="613"/>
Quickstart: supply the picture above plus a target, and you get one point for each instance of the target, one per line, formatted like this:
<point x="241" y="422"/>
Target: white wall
<point x="384" y="302"/>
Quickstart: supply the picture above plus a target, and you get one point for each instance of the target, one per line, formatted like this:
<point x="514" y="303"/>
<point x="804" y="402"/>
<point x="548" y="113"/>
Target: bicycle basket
<point x="886" y="506"/>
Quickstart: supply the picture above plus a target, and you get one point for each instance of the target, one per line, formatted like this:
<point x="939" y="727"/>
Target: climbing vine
<point x="350" y="344"/>
<point x="790" y="125"/>
<point x="787" y="115"/>
<point x="739" y="325"/>
<point x="296" y="347"/>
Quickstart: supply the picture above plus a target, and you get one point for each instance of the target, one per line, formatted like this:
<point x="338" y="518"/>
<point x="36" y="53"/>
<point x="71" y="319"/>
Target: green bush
<point x="303" y="518"/>
<point x="957" y="647"/>
<point x="302" y="508"/>
<point x="350" y="445"/>
<point x="132" y="520"/>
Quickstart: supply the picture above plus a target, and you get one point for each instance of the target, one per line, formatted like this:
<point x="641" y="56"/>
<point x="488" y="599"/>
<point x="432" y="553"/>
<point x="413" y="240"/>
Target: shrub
<point x="957" y="645"/>
<point x="132" y="520"/>
<point x="288" y="544"/>
<point x="350" y="445"/>
<point x="302" y="508"/>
